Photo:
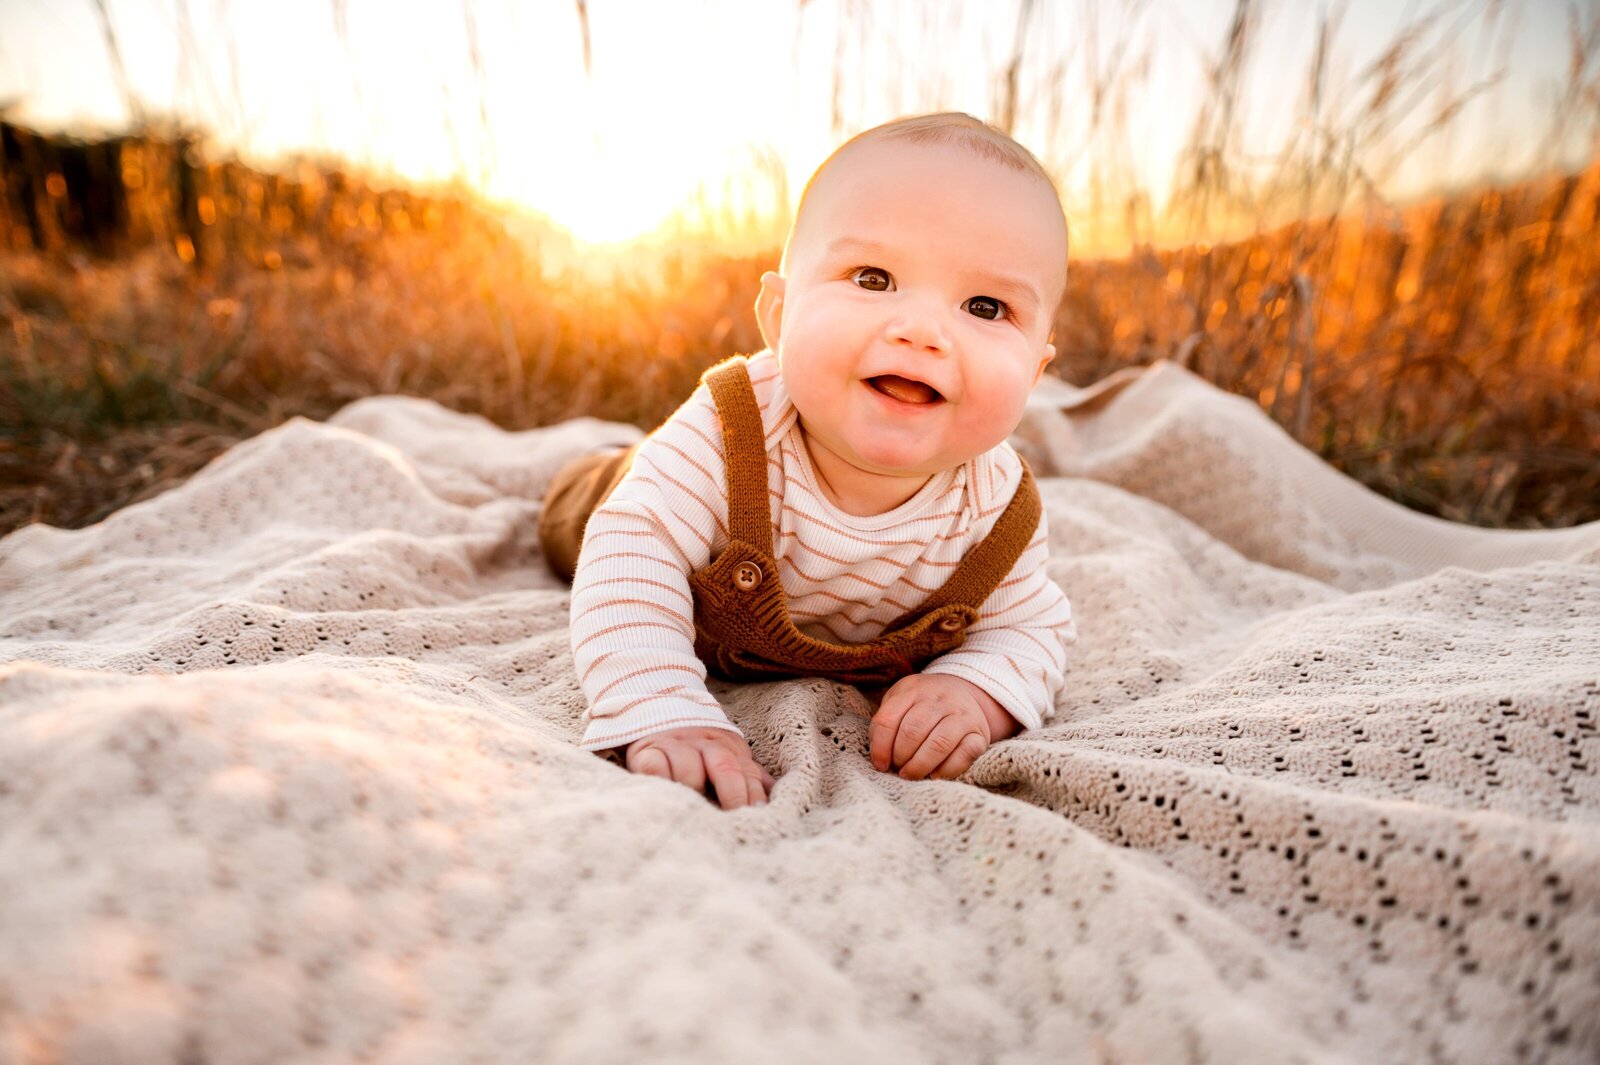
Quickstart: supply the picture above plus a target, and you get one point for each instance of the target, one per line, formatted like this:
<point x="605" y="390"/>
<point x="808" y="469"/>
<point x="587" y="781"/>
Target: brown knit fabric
<point x="742" y="626"/>
<point x="743" y="630"/>
<point x="580" y="487"/>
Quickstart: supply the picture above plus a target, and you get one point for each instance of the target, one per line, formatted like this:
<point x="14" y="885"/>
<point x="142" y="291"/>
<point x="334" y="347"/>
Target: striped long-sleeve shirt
<point x="846" y="576"/>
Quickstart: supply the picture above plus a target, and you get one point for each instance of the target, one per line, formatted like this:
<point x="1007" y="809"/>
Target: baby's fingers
<point x="961" y="758"/>
<point x="885" y="735"/>
<point x="688" y="768"/>
<point x="670" y="761"/>
<point x="734" y="788"/>
<point x="952" y="736"/>
<point x="651" y="761"/>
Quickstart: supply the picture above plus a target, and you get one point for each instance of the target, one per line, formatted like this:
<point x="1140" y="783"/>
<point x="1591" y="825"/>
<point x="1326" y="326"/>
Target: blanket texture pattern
<point x="288" y="773"/>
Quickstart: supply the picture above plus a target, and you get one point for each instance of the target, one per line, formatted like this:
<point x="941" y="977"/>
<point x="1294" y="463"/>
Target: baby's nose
<point x="921" y="325"/>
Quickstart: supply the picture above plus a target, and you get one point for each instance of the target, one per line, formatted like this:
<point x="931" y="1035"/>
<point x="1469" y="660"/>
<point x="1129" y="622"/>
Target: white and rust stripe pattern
<point x="846" y="576"/>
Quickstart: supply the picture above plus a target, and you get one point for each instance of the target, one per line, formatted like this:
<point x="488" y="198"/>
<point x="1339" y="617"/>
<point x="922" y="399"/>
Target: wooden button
<point x="746" y="576"/>
<point x="952" y="623"/>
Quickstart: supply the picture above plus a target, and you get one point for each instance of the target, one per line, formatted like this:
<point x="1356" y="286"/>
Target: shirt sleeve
<point x="632" y="621"/>
<point x="1017" y="650"/>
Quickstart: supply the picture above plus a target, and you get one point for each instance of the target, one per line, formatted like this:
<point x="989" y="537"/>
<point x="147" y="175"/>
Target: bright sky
<point x="730" y="103"/>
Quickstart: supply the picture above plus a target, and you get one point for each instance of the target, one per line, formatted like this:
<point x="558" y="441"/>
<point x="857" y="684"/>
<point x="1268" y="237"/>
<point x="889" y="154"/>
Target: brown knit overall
<point x="741" y="616"/>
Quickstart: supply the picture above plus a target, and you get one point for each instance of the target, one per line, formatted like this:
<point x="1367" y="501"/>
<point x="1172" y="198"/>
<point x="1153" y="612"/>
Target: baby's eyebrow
<point x="843" y="244"/>
<point x="1013" y="288"/>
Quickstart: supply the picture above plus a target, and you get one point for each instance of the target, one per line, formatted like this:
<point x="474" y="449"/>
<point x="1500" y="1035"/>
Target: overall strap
<point x="988" y="562"/>
<point x="744" y="444"/>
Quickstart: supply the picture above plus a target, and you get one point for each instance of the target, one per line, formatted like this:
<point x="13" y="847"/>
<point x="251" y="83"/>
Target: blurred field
<point x="1443" y="354"/>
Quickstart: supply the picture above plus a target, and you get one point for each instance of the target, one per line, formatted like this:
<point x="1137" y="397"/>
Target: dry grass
<point x="120" y="376"/>
<point x="1444" y="356"/>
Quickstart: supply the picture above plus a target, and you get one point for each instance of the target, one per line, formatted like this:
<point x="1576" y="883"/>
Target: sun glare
<point x="597" y="204"/>
<point x="632" y="187"/>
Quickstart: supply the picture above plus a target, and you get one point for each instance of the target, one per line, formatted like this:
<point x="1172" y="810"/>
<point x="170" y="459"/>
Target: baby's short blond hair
<point x="943" y="127"/>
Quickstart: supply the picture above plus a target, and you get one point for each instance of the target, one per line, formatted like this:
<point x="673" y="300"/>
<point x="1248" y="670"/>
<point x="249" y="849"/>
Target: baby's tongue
<point x="904" y="390"/>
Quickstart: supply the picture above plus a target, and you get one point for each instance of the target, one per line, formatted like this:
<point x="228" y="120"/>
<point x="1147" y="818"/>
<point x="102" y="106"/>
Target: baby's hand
<point x="691" y="756"/>
<point x="934" y="724"/>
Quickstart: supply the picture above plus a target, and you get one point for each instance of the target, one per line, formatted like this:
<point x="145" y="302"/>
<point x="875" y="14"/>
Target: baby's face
<point x="914" y="315"/>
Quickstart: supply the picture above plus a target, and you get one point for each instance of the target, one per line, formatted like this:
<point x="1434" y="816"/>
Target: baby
<point x="844" y="503"/>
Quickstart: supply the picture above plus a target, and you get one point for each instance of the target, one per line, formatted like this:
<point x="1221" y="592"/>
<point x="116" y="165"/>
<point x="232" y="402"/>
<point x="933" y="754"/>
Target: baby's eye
<point x="987" y="308"/>
<point x="872" y="279"/>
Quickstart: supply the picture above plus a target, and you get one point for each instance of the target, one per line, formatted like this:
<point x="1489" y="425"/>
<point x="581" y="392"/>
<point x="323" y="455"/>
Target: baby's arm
<point x="1002" y="679"/>
<point x="633" y="621"/>
<point x="1017" y="651"/>
<point x="632" y="615"/>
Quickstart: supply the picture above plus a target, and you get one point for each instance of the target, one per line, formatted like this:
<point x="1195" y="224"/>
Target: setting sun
<point x="597" y="200"/>
<point x="617" y="156"/>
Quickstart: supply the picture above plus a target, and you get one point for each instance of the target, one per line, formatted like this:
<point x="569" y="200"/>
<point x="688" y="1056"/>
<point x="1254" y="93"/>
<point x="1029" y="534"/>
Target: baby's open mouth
<point x="905" y="389"/>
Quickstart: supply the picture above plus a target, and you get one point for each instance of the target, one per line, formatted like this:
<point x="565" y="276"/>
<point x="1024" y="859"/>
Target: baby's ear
<point x="769" y="308"/>
<point x="1049" y="355"/>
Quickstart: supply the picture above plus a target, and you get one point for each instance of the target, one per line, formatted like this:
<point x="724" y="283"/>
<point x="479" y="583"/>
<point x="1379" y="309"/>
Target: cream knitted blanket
<point x="287" y="773"/>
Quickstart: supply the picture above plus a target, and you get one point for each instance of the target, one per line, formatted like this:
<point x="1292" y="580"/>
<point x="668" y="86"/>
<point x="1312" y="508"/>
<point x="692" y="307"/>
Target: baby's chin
<point x="908" y="453"/>
<point x="905" y="462"/>
<point x="868" y="457"/>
